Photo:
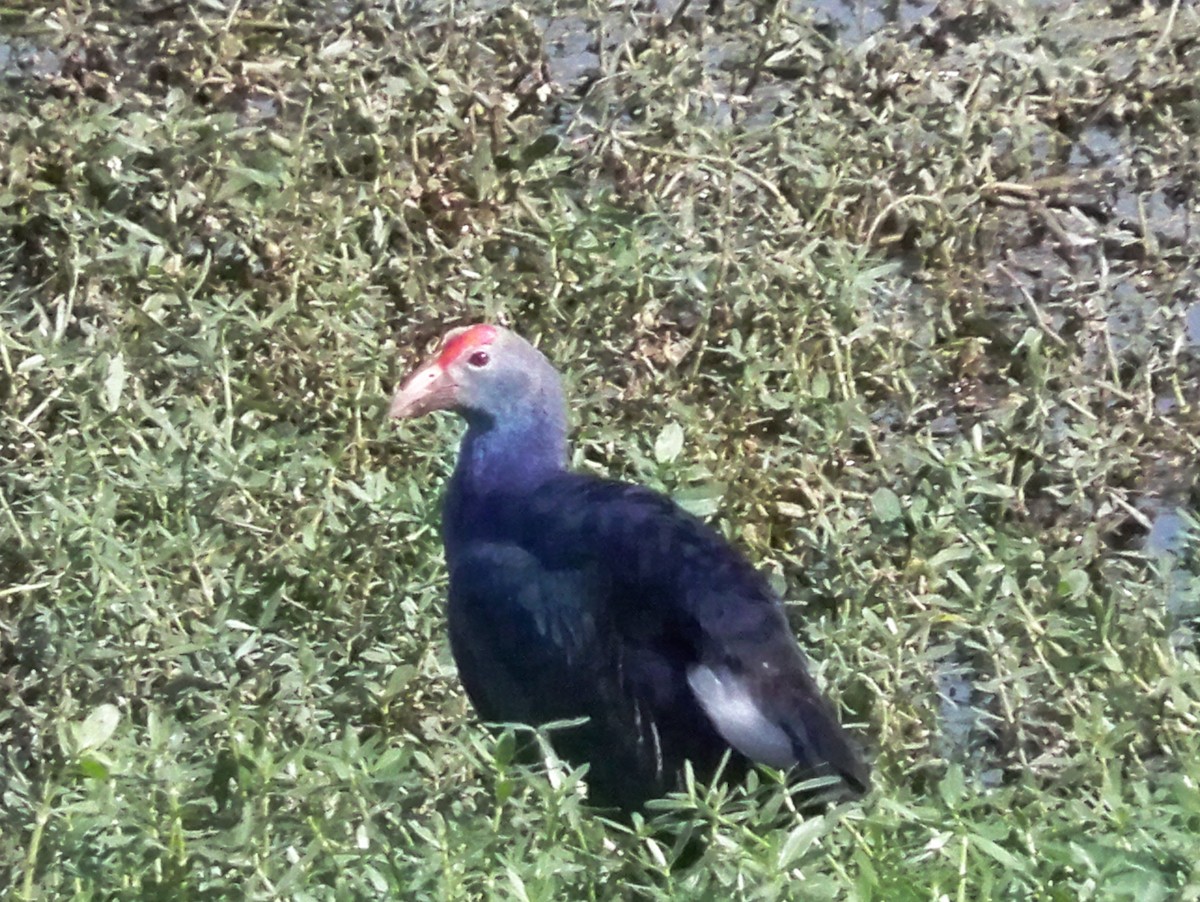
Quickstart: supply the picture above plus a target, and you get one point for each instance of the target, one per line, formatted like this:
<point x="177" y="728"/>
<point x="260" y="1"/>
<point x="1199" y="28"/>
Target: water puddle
<point x="1172" y="534"/>
<point x="958" y="717"/>
<point x="1192" y="325"/>
<point x="853" y="21"/>
<point x="961" y="708"/>
<point x="22" y="60"/>
<point x="572" y="52"/>
<point x="1166" y="534"/>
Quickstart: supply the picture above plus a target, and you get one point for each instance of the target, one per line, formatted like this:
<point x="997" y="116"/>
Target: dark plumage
<point x="572" y="596"/>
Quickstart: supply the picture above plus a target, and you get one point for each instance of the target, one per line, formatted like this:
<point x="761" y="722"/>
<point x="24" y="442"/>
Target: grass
<point x="905" y="318"/>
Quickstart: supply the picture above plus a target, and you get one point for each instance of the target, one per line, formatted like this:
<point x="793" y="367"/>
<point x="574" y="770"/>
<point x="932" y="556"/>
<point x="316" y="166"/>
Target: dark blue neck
<point x="516" y="456"/>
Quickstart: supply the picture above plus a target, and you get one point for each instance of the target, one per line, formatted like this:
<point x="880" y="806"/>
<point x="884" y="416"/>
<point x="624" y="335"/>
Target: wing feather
<point x="604" y="600"/>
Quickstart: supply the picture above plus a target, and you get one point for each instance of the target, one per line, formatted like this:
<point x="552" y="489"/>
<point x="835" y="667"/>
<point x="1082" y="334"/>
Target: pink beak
<point x="428" y="388"/>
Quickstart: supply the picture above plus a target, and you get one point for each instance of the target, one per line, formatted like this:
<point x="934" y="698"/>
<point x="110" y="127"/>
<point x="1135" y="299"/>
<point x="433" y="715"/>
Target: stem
<point x="35" y="843"/>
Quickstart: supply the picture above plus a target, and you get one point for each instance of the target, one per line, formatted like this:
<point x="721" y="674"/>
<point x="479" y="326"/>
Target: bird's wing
<point x="521" y="634"/>
<point x="533" y="645"/>
<point x="758" y="693"/>
<point x="685" y="602"/>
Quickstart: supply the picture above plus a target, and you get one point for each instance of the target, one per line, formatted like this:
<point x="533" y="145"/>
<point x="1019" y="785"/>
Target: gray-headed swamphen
<point x="575" y="597"/>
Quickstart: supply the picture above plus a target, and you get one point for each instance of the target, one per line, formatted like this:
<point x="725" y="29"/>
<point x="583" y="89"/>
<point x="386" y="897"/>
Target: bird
<point x="579" y="598"/>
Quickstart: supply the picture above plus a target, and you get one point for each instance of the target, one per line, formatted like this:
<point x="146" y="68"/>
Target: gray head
<point x="488" y="375"/>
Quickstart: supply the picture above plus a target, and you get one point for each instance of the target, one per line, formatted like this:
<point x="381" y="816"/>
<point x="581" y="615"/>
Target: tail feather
<point x="782" y="721"/>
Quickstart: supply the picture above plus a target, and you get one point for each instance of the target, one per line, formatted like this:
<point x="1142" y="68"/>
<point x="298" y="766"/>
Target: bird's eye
<point x="479" y="358"/>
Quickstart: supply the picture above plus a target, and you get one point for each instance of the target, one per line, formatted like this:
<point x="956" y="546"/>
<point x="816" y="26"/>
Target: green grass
<point x="894" y="332"/>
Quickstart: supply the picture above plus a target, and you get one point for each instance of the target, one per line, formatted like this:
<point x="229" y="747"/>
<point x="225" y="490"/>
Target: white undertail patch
<point x="739" y="720"/>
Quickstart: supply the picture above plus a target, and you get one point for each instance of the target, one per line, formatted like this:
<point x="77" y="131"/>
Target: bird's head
<point x="483" y="372"/>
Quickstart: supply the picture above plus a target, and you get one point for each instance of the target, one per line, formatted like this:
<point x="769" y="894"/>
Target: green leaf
<point x="799" y="840"/>
<point x="95" y="767"/>
<point x="948" y="556"/>
<point x="97" y="728"/>
<point x="505" y="749"/>
<point x="669" y="443"/>
<point x="701" y="500"/>
<point x="999" y="853"/>
<point x="114" y="382"/>
<point x="952" y="787"/>
<point x="886" y="505"/>
<point x="336" y="50"/>
<point x="820" y="385"/>
<point x="1074" y="584"/>
<point x="400" y="677"/>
